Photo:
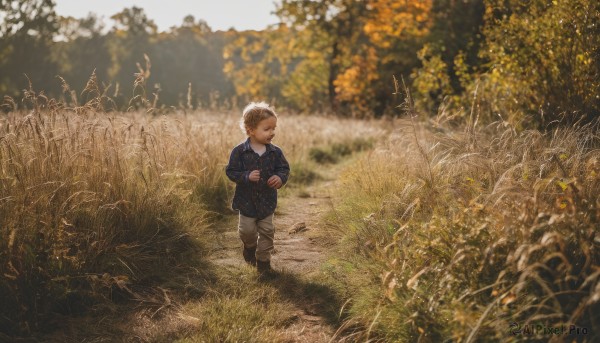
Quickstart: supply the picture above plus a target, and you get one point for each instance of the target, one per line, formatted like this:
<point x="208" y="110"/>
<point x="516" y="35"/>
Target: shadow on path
<point x="313" y="298"/>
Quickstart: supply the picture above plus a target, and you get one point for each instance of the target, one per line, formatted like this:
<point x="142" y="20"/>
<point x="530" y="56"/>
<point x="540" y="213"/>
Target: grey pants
<point x="259" y="234"/>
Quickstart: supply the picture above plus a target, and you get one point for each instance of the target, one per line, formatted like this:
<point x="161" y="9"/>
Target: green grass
<point x="333" y="152"/>
<point x="241" y="307"/>
<point x="214" y="196"/>
<point x="303" y="174"/>
<point x="238" y="309"/>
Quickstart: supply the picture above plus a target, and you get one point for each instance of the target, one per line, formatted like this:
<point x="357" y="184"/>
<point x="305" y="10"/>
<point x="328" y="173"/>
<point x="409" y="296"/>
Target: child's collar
<point x="248" y="147"/>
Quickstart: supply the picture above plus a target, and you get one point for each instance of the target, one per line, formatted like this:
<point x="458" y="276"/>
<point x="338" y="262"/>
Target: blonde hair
<point x="253" y="113"/>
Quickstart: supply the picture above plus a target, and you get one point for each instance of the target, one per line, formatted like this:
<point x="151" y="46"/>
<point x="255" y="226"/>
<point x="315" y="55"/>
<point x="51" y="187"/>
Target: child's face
<point x="264" y="131"/>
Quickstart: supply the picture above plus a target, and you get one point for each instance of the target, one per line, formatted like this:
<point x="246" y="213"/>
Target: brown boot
<point x="264" y="270"/>
<point x="250" y="255"/>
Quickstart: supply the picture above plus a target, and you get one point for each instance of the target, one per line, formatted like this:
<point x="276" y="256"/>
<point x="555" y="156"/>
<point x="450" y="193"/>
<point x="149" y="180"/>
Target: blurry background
<point x="534" y="61"/>
<point x="220" y="15"/>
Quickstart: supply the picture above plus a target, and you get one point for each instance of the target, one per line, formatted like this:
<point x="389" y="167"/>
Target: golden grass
<point x="97" y="205"/>
<point x="463" y="233"/>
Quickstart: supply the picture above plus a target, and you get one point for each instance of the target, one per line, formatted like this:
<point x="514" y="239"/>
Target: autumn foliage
<point x="533" y="63"/>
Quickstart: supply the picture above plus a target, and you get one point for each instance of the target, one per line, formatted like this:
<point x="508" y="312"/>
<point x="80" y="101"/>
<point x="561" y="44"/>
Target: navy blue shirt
<point x="256" y="199"/>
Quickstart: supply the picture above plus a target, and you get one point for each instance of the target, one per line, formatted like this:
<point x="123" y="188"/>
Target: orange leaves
<point x="387" y="23"/>
<point x="336" y="53"/>
<point x="352" y="84"/>
<point x="393" y="19"/>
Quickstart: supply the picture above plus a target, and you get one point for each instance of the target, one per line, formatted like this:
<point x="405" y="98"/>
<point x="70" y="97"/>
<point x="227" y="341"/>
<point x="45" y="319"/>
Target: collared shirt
<point x="256" y="199"/>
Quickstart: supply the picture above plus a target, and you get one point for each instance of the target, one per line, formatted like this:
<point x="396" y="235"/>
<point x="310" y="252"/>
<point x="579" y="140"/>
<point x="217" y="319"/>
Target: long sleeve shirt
<point x="256" y="199"/>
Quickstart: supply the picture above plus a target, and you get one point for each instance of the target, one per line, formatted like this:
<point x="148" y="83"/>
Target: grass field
<point x="436" y="232"/>
<point x="101" y="206"/>
<point x="470" y="235"/>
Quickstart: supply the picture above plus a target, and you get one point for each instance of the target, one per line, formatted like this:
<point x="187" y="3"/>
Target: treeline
<point x="528" y="62"/>
<point x="184" y="67"/>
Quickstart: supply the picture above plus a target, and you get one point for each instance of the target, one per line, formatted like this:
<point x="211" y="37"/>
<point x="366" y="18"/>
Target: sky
<point x="219" y="14"/>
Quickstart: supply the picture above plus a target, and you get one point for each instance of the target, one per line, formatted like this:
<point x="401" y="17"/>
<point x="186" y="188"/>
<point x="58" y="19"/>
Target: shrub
<point x="337" y="150"/>
<point x="542" y="59"/>
<point x="303" y="174"/>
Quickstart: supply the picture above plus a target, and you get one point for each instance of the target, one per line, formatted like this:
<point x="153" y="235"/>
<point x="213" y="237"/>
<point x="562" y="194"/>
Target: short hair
<point x="253" y="113"/>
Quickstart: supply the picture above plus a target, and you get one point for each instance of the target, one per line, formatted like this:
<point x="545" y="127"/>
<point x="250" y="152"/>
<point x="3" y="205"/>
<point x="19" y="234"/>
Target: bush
<point x="303" y="174"/>
<point x="335" y="151"/>
<point x="542" y="59"/>
<point x="322" y="155"/>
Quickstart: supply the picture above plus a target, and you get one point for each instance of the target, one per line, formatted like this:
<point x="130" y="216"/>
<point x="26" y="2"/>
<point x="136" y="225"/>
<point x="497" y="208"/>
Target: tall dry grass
<point x="99" y="205"/>
<point x="454" y="236"/>
<point x="93" y="205"/>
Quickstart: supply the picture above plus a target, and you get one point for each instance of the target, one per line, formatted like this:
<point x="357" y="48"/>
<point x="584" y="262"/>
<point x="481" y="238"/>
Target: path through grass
<point x="296" y="306"/>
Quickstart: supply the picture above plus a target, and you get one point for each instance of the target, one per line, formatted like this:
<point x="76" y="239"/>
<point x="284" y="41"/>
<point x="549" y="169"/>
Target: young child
<point x="259" y="169"/>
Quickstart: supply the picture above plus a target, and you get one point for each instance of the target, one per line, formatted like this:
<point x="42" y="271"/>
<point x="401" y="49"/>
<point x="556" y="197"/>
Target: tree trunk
<point x="333" y="70"/>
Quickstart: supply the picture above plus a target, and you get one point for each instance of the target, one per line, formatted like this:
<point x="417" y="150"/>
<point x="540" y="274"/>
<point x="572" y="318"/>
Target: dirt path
<point x="298" y="252"/>
<point x="298" y="259"/>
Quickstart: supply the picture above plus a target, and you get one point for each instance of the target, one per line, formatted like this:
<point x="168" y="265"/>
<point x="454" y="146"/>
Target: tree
<point x="189" y="55"/>
<point x="543" y="58"/>
<point x="82" y="50"/>
<point x="128" y="42"/>
<point x="364" y="43"/>
<point x="335" y="32"/>
<point x="449" y="56"/>
<point x="253" y="65"/>
<point x="27" y="28"/>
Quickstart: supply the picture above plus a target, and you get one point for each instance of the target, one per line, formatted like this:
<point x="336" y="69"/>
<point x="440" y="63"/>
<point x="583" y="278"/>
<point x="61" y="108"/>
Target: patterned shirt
<point x="256" y="199"/>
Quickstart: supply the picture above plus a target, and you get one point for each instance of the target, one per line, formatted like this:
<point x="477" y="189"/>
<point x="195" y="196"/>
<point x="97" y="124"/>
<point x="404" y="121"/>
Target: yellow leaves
<point x="305" y="85"/>
<point x="354" y="82"/>
<point x="584" y="58"/>
<point x="433" y="76"/>
<point x="562" y="185"/>
<point x="314" y="55"/>
<point x="392" y="19"/>
<point x="229" y="68"/>
<point x="564" y="203"/>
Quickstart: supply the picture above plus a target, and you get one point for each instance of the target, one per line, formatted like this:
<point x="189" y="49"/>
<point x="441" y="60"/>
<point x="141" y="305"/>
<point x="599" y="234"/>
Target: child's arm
<point x="282" y="169"/>
<point x="235" y="168"/>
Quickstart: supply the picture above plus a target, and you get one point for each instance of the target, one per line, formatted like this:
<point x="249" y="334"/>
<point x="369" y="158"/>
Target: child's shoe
<point x="264" y="270"/>
<point x="250" y="255"/>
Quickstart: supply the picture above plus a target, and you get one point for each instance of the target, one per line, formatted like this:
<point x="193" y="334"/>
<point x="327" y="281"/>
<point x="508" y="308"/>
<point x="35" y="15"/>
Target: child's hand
<point x="254" y="175"/>
<point x="275" y="182"/>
